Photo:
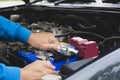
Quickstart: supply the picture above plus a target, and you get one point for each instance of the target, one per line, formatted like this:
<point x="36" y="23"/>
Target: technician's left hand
<point x="44" y="41"/>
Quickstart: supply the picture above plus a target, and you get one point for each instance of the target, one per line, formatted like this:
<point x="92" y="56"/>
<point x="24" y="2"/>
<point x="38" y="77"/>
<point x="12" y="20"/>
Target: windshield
<point x="8" y="3"/>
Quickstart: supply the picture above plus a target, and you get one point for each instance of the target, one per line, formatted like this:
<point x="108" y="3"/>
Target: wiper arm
<point x="58" y="2"/>
<point x="36" y="1"/>
<point x="26" y="1"/>
<point x="32" y="1"/>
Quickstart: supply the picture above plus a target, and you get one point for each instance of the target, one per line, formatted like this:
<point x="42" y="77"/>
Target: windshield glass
<point x="8" y="3"/>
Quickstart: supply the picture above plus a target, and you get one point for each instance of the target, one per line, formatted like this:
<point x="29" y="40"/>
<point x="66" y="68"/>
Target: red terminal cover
<point x="87" y="49"/>
<point x="76" y="41"/>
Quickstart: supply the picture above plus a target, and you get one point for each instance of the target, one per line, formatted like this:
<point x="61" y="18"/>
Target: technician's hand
<point x="44" y="41"/>
<point x="36" y="70"/>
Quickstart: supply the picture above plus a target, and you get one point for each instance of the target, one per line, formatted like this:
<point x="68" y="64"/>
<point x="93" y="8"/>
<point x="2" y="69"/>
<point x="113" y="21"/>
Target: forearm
<point x="9" y="73"/>
<point x="12" y="31"/>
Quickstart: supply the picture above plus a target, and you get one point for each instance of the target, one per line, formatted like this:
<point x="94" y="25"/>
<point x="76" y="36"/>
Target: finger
<point x="50" y="71"/>
<point x="51" y="41"/>
<point x="46" y="46"/>
<point x="58" y="45"/>
<point x="54" y="41"/>
<point x="52" y="46"/>
<point x="49" y="65"/>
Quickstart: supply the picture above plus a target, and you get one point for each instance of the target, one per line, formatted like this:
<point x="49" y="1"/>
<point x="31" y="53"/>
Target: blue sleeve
<point x="9" y="73"/>
<point x="13" y="31"/>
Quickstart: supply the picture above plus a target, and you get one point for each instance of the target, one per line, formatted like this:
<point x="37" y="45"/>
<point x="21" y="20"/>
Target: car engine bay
<point x="101" y="27"/>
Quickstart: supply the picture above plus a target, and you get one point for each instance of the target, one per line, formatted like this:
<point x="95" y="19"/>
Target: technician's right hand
<point x="44" y="41"/>
<point x="36" y="70"/>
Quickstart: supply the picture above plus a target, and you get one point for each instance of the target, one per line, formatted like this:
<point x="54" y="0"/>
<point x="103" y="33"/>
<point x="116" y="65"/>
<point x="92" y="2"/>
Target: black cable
<point x="80" y="32"/>
<point x="110" y="38"/>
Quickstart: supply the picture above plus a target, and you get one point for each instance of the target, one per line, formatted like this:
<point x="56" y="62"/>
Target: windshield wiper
<point x="36" y="1"/>
<point x="28" y="1"/>
<point x="71" y="1"/>
<point x="58" y="2"/>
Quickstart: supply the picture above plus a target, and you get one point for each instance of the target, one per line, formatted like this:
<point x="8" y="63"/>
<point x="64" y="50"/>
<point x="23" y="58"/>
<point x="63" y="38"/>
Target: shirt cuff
<point x="12" y="73"/>
<point x="23" y="34"/>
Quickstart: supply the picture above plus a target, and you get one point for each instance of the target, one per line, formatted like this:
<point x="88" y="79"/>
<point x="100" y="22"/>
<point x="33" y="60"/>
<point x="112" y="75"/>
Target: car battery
<point x="57" y="58"/>
<point x="87" y="49"/>
<point x="67" y="54"/>
<point x="60" y="61"/>
<point x="27" y="56"/>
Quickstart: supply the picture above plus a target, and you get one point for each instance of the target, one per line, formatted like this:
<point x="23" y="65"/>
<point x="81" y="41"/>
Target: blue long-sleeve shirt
<point x="12" y="31"/>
